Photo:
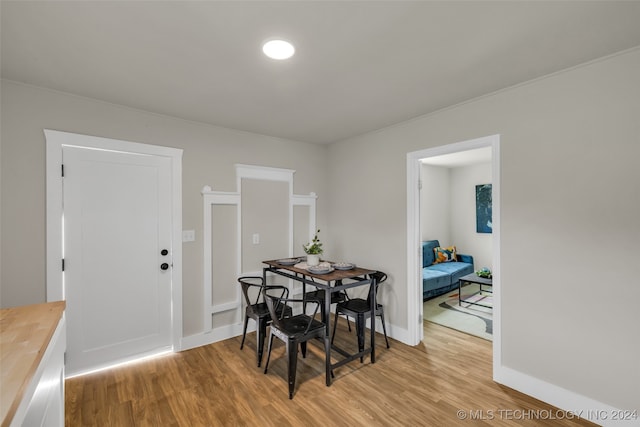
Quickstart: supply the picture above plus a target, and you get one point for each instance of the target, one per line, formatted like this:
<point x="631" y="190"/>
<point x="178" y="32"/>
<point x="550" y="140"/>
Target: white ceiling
<point x="359" y="66"/>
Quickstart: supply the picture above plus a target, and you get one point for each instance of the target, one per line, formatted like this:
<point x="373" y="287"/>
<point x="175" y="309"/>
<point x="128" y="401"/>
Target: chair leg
<point x="244" y="331"/>
<point x="292" y="360"/>
<point x="266" y="365"/>
<point x="261" y="333"/>
<point x="348" y="322"/>
<point x="303" y="348"/>
<point x="384" y="328"/>
<point x="360" y="332"/>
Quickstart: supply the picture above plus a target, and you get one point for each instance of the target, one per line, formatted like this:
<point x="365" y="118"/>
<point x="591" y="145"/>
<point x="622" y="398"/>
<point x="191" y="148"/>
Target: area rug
<point x="472" y="319"/>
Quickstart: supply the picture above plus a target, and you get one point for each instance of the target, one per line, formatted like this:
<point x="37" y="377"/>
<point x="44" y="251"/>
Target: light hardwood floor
<point x="220" y="385"/>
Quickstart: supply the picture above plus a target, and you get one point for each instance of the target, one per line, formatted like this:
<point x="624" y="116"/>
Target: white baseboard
<point x="230" y="331"/>
<point x="398" y="334"/>
<point x="215" y="335"/>
<point x="574" y="404"/>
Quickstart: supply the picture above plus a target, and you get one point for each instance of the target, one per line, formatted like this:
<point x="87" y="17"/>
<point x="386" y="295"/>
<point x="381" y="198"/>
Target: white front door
<point x="117" y="226"/>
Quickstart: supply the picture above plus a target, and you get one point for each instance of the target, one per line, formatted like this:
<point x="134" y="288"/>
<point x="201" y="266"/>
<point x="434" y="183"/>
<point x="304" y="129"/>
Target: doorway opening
<point x="415" y="235"/>
<point x="455" y="198"/>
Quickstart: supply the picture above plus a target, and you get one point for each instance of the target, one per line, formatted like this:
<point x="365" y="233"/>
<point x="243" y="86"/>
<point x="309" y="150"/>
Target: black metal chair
<point x="292" y="330"/>
<point x="256" y="309"/>
<point x="360" y="310"/>
<point x="318" y="296"/>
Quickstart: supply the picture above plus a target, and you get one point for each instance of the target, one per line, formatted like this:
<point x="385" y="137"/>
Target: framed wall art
<point x="483" y="209"/>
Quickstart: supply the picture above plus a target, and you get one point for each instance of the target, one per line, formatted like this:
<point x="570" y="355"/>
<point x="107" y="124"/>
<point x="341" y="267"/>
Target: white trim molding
<point x="310" y="201"/>
<point x="210" y="198"/>
<point x="264" y="173"/>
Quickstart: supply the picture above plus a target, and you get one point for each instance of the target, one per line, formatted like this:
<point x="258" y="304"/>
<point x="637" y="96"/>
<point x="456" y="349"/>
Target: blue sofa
<point x="440" y="278"/>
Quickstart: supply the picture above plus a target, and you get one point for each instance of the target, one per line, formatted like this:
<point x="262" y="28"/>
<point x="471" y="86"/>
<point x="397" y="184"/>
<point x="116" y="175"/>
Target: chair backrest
<point x="275" y="297"/>
<point x="276" y="305"/>
<point x="380" y="278"/>
<point x="273" y="302"/>
<point x="252" y="287"/>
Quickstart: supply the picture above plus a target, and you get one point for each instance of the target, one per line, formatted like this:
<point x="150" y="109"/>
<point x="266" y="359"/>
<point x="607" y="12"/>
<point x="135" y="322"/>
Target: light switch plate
<point x="188" y="235"/>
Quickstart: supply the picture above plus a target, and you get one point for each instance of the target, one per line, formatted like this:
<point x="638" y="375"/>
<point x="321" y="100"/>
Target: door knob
<point x="164" y="252"/>
<point x="164" y="266"/>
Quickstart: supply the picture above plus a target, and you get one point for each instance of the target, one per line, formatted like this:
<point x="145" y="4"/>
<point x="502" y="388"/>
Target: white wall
<point x="435" y="203"/>
<point x="210" y="154"/>
<point x="570" y="205"/>
<point x="463" y="214"/>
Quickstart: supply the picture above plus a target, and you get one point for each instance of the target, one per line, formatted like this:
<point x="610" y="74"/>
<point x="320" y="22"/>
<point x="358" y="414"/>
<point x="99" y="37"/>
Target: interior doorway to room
<point x="455" y="197"/>
<point x="416" y="205"/>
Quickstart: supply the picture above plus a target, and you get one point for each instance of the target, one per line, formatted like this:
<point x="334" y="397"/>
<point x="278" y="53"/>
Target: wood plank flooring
<point x="220" y="385"/>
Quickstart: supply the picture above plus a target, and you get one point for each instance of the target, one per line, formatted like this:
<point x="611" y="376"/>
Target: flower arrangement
<point x="315" y="247"/>
<point x="484" y="272"/>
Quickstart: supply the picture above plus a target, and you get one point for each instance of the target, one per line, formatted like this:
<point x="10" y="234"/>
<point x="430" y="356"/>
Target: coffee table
<point x="474" y="278"/>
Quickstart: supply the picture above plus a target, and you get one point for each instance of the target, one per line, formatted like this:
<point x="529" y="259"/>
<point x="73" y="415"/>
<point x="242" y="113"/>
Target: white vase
<point x="313" y="260"/>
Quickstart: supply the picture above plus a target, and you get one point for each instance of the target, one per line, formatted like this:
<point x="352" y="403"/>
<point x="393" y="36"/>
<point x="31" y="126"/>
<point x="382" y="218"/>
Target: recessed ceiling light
<point x="278" y="49"/>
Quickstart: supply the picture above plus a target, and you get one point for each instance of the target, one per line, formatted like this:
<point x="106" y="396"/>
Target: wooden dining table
<point x="334" y="281"/>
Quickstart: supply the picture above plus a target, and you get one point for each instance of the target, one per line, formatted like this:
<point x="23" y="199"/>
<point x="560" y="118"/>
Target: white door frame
<point x="414" y="250"/>
<point x="56" y="140"/>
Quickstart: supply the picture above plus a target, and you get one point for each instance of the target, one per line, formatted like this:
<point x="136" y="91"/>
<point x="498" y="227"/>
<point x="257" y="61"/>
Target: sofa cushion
<point x="444" y="254"/>
<point x="450" y="267"/>
<point x="428" y="256"/>
<point x="462" y="271"/>
<point x="454" y="270"/>
<point x="434" y="279"/>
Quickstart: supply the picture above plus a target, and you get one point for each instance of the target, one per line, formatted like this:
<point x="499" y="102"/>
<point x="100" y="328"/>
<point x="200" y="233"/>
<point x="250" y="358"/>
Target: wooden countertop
<point x="25" y="333"/>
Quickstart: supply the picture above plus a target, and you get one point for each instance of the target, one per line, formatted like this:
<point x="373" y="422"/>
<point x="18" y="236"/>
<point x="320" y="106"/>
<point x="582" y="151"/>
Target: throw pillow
<point x="445" y="254"/>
